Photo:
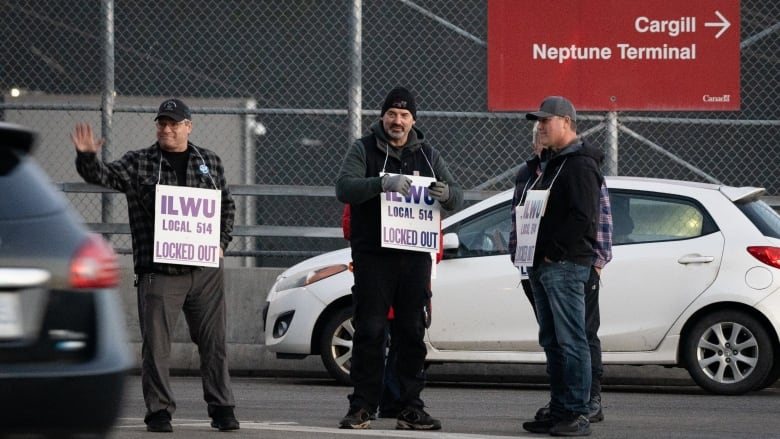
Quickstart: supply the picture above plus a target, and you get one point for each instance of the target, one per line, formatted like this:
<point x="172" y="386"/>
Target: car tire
<point x="336" y="344"/>
<point x="771" y="378"/>
<point x="728" y="353"/>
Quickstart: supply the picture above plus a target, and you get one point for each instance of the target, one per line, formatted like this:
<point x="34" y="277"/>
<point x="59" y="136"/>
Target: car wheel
<point x="772" y="376"/>
<point x="336" y="345"/>
<point x="728" y="353"/>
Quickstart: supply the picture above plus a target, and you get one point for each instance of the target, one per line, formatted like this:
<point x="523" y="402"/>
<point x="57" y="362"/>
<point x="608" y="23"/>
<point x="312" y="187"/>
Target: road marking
<point x="294" y="427"/>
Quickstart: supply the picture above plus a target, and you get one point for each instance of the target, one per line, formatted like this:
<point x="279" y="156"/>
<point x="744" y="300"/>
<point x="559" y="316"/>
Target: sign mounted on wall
<point x="611" y="55"/>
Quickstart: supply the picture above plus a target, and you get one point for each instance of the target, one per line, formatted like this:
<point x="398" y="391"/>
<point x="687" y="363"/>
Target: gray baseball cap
<point x="554" y="106"/>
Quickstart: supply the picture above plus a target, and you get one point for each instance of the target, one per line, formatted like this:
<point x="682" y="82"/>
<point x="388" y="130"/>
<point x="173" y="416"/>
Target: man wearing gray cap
<point x="570" y="184"/>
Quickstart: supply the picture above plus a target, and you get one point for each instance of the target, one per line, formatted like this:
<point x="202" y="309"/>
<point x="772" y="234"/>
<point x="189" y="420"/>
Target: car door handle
<point x="695" y="259"/>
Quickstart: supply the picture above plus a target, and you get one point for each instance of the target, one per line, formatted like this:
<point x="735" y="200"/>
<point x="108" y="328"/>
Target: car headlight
<point x="305" y="278"/>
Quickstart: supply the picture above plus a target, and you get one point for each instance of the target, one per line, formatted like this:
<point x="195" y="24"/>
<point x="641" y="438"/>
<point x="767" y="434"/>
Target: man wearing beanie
<point x="376" y="163"/>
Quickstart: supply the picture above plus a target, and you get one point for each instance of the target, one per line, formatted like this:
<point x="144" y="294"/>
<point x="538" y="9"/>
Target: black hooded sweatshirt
<point x="567" y="231"/>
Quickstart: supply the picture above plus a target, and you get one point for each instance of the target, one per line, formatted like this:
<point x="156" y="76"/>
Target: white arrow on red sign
<point x="724" y="24"/>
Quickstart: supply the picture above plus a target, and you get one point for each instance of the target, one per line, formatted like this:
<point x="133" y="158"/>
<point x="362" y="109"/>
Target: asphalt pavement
<point x="305" y="407"/>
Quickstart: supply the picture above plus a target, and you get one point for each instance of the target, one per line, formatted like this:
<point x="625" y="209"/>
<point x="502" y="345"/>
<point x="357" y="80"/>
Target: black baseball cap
<point x="175" y="109"/>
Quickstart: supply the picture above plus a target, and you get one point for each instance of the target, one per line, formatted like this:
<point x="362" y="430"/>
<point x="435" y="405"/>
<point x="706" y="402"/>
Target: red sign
<point x="610" y="55"/>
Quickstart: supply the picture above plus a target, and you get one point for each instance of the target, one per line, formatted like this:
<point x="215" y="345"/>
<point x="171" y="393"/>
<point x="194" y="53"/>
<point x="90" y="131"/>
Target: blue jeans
<point x="559" y="295"/>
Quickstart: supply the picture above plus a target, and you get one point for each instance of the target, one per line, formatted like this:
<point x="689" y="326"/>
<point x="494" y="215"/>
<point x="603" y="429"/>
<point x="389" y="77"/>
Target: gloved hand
<point x="397" y="183"/>
<point x="439" y="191"/>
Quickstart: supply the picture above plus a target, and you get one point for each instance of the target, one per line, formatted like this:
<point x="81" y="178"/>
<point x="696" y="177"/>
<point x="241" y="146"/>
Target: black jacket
<point x="567" y="231"/>
<point x="359" y="184"/>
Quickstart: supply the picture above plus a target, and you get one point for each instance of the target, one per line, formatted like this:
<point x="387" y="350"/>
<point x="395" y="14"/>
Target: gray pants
<point x="201" y="296"/>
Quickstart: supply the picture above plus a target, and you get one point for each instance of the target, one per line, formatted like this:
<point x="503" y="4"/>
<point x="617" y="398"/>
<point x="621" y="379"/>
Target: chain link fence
<point x="279" y="89"/>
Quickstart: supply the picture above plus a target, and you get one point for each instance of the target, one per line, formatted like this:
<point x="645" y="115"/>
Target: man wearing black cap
<point x="381" y="162"/>
<point x="164" y="290"/>
<point x="565" y="247"/>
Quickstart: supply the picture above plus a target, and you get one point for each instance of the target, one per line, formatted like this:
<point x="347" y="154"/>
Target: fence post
<point x="108" y="97"/>
<point x="612" y="143"/>
<point x="355" y="105"/>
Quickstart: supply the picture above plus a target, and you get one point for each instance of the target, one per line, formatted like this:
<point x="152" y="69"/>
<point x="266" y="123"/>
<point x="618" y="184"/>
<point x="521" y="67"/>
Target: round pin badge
<point x="203" y="169"/>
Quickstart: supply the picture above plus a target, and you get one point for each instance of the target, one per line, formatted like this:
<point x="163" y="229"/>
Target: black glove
<point x="397" y="183"/>
<point x="439" y="191"/>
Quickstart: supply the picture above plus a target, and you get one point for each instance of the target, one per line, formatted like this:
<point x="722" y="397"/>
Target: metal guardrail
<point x="250" y="230"/>
<point x="278" y="190"/>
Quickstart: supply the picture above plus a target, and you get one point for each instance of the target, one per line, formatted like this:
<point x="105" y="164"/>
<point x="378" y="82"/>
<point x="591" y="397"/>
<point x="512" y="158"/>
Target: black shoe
<point x="159" y="422"/>
<point x="594" y="409"/>
<point x="413" y="418"/>
<point x="579" y="426"/>
<point x="224" y="419"/>
<point x="543" y="413"/>
<point x="540" y="426"/>
<point x="356" y="419"/>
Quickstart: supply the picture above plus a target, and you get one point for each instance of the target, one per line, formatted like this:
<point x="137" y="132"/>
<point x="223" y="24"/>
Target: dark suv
<point x="63" y="349"/>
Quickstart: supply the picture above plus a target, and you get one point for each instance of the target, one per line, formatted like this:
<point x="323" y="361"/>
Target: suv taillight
<point x="767" y="255"/>
<point x="95" y="265"/>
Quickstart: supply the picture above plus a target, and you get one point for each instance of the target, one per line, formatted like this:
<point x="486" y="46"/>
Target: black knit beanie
<point x="402" y="98"/>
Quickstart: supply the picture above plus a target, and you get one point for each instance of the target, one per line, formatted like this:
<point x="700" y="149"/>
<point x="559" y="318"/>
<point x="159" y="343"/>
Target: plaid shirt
<point x="602" y="253"/>
<point x="137" y="174"/>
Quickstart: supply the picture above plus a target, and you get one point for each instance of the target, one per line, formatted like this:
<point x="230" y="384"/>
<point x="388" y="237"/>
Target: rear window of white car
<point x="639" y="217"/>
<point x="763" y="216"/>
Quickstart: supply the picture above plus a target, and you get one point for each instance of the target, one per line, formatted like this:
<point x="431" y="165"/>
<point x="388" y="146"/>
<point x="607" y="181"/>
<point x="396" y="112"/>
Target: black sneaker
<point x="413" y="418"/>
<point x="595" y="414"/>
<point x="223" y="419"/>
<point x="543" y="413"/>
<point x="579" y="426"/>
<point x="159" y="422"/>
<point x="541" y="425"/>
<point x="356" y="419"/>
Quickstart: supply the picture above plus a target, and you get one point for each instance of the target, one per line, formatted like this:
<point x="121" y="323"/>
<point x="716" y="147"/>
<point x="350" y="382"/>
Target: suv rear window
<point x="27" y="191"/>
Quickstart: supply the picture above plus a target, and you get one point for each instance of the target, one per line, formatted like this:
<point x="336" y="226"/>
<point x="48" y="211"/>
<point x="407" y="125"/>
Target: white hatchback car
<point x="694" y="282"/>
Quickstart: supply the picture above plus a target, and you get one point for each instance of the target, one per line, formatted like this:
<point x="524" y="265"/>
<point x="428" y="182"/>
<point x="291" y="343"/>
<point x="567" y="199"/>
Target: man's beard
<point x="397" y="135"/>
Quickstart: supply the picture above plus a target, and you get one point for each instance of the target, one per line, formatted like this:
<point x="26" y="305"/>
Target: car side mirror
<point x="451" y="241"/>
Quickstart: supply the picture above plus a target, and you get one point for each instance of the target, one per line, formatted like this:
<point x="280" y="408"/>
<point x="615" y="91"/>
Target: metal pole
<point x="109" y="95"/>
<point x="356" y="74"/>
<point x="612" y="142"/>
<point x="250" y="143"/>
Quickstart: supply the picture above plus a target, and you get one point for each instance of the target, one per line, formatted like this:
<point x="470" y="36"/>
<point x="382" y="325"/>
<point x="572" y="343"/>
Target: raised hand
<point x="83" y="139"/>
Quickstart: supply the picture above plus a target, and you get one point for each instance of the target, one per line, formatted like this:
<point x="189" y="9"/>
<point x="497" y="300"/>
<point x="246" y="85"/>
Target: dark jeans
<point x="400" y="280"/>
<point x="559" y="294"/>
<point x="592" y="324"/>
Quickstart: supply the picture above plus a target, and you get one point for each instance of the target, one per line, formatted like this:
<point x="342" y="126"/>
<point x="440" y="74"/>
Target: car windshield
<point x="763" y="216"/>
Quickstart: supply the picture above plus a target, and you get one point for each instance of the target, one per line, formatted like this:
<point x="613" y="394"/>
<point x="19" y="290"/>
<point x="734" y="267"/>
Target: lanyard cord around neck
<point x="202" y="166"/>
<point x="527" y="187"/>
<point x="387" y="155"/>
<point x="557" y="173"/>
